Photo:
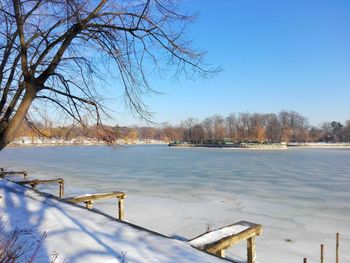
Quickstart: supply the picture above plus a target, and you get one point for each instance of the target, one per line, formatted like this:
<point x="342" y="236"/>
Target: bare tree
<point x="208" y="126"/>
<point x="56" y="52"/>
<point x="219" y="127"/>
<point x="232" y="126"/>
<point x="346" y="131"/>
<point x="188" y="129"/>
<point x="273" y="129"/>
<point x="244" y="127"/>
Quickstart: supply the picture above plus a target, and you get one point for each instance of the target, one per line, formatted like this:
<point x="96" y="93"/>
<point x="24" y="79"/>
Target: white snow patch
<point x="80" y="235"/>
<point x="214" y="236"/>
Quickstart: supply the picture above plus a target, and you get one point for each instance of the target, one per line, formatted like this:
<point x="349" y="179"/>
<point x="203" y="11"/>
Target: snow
<point x="214" y="236"/>
<point x="75" y="234"/>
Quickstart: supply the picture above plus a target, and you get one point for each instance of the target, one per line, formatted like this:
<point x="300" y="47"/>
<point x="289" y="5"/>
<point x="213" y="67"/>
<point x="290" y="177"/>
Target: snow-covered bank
<point x="80" y="141"/>
<point x="76" y="234"/>
<point x="340" y="145"/>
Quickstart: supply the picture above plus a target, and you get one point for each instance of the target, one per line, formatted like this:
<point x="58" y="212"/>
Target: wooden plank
<point x="217" y="241"/>
<point x="211" y="237"/>
<point x="35" y="182"/>
<point x="322" y="251"/>
<point x="91" y="197"/>
<point x="234" y="239"/>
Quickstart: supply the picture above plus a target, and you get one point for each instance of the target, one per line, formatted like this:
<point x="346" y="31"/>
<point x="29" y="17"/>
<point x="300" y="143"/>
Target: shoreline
<point x="232" y="145"/>
<point x="303" y="146"/>
<point x="116" y="144"/>
<point x="320" y="145"/>
<point x="267" y="146"/>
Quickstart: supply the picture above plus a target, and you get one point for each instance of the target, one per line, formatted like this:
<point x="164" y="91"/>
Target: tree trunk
<point x="9" y="133"/>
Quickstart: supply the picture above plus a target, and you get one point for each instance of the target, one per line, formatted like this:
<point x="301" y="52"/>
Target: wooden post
<point x="322" y="247"/>
<point x="61" y="190"/>
<point x="305" y="260"/>
<point x="88" y="204"/>
<point x="25" y="175"/>
<point x="221" y="253"/>
<point x="121" y="208"/>
<point x="337" y="249"/>
<point x="251" y="250"/>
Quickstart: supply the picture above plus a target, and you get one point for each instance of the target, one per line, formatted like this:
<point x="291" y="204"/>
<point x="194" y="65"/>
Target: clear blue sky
<point x="276" y="55"/>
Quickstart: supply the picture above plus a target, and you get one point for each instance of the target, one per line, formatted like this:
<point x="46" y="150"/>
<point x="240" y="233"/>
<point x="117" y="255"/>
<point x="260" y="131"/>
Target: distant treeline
<point x="286" y="126"/>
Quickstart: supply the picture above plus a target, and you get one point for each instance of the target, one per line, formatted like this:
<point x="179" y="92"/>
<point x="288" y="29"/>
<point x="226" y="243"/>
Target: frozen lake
<point x="300" y="196"/>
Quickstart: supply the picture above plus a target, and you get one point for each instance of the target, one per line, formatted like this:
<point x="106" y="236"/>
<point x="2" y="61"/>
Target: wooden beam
<point x="251" y="254"/>
<point x="217" y="241"/>
<point x="234" y="239"/>
<point x="89" y="199"/>
<point x="3" y="173"/>
<point x="34" y="183"/>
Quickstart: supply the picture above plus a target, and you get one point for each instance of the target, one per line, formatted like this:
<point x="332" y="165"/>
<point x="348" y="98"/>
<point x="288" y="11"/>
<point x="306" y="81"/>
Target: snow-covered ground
<point x="75" y="234"/>
<point x="43" y="141"/>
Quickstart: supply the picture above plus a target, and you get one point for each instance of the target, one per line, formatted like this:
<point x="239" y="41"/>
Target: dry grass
<point x="18" y="245"/>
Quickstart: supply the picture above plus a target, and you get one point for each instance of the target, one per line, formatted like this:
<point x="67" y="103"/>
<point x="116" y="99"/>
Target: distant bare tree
<point x="188" y="125"/>
<point x="293" y="126"/>
<point x="257" y="125"/>
<point x="346" y="131"/>
<point x="146" y="133"/>
<point x="273" y="129"/>
<point x="173" y="133"/>
<point x="208" y="126"/>
<point x="56" y="52"/>
<point x="219" y="127"/>
<point x="198" y="133"/>
<point x="231" y="125"/>
<point x="244" y="127"/>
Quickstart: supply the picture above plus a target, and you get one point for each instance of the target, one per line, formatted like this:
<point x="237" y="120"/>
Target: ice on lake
<point x="300" y="196"/>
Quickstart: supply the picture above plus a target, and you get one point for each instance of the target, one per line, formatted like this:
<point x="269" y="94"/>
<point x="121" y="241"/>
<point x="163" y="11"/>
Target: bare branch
<point x="62" y="53"/>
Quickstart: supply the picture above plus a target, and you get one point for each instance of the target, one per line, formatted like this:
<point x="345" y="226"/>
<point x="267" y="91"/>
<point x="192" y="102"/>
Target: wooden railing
<point x="90" y="198"/>
<point x="34" y="183"/>
<point x="217" y="241"/>
<point x="87" y="199"/>
<point x="3" y="173"/>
